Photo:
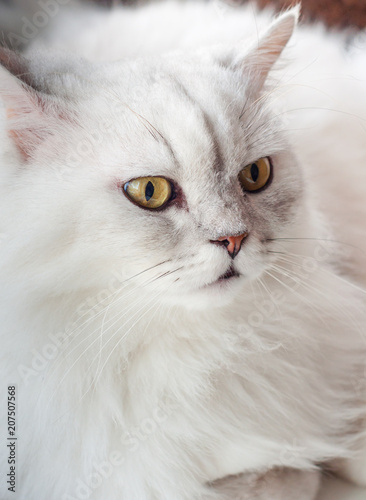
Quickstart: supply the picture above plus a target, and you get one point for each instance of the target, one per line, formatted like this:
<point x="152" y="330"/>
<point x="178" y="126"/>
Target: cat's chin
<point x="219" y="293"/>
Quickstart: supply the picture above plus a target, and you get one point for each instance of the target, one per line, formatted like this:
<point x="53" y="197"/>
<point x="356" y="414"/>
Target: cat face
<point x="193" y="125"/>
<point x="206" y="132"/>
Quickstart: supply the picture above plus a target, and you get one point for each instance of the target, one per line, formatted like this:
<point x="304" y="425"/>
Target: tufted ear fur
<point x="31" y="112"/>
<point x="262" y="57"/>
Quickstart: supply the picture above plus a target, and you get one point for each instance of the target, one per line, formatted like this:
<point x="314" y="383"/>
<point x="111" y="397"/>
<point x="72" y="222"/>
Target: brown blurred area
<point x="339" y="13"/>
<point x="334" y="13"/>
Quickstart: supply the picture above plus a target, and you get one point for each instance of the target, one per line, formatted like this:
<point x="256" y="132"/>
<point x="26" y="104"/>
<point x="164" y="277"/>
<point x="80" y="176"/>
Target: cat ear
<point x="30" y="112"/>
<point x="262" y="57"/>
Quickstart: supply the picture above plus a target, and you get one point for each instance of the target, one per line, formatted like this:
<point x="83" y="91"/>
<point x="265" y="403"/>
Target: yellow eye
<point x="256" y="175"/>
<point x="149" y="192"/>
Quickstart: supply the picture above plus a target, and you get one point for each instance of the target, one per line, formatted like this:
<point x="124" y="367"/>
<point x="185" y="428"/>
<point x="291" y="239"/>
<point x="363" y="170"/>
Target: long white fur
<point x="136" y="380"/>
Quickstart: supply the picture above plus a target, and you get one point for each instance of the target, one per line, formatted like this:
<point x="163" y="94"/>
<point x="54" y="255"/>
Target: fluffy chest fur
<point x="251" y="389"/>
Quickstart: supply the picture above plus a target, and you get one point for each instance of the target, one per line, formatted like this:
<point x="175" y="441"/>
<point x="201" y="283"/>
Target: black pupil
<point x="254" y="172"/>
<point x="149" y="191"/>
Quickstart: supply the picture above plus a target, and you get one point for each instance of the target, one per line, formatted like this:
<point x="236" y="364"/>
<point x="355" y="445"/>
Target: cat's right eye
<point x="149" y="192"/>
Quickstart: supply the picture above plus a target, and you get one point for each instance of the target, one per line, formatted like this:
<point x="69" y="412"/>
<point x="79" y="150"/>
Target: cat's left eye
<point x="149" y="192"/>
<point x="256" y="175"/>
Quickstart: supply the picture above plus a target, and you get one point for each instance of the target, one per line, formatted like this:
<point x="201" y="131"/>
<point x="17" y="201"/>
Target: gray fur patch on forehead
<point x="218" y="163"/>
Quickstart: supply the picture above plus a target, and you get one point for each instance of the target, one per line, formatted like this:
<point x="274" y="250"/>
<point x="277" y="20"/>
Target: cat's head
<point x="169" y="176"/>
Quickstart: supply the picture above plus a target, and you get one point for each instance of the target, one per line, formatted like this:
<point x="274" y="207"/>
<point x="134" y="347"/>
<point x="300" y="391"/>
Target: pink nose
<point x="232" y="243"/>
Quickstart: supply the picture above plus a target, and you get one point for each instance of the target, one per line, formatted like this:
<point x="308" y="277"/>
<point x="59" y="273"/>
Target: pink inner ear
<point x="27" y="122"/>
<point x="31" y="116"/>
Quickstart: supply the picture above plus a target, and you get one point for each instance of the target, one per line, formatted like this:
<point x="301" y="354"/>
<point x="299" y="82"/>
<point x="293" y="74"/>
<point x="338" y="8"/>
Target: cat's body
<point x="139" y="378"/>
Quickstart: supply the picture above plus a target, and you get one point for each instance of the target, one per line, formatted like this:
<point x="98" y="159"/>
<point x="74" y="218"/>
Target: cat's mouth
<point x="230" y="276"/>
<point x="230" y="273"/>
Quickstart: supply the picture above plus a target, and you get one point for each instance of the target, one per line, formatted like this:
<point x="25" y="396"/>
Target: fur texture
<point x="139" y="375"/>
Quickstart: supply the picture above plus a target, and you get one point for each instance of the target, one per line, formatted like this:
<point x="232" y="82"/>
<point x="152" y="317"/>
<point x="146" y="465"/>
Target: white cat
<point x="182" y="259"/>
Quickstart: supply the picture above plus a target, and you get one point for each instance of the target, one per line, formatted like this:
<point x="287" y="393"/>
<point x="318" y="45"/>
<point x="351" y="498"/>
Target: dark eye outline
<point x="269" y="181"/>
<point x="173" y="195"/>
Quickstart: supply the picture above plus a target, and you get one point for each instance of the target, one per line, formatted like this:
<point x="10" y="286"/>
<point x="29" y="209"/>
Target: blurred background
<point x="346" y="14"/>
<point x="31" y="17"/>
<point x="338" y="13"/>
